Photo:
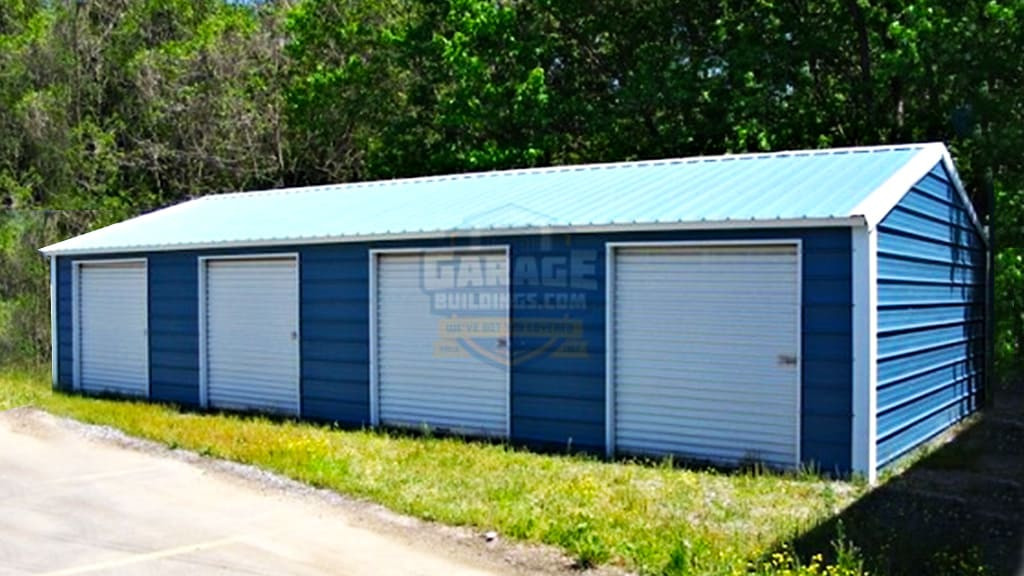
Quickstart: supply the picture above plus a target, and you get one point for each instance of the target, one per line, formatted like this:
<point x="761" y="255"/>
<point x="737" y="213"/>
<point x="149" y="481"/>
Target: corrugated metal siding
<point x="827" y="360"/>
<point x="557" y="399"/>
<point x="65" y="338"/>
<point x="335" y="334"/>
<point x="558" y="396"/>
<point x="252" y="330"/>
<point x="931" y="273"/>
<point x="702" y="336"/>
<point x="174" y="328"/>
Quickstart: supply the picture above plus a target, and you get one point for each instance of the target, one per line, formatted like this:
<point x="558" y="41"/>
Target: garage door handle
<point x="502" y="343"/>
<point x="787" y="360"/>
<point x="295" y="335"/>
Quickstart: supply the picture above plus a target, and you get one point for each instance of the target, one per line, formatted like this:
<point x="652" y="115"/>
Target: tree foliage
<point x="112" y="108"/>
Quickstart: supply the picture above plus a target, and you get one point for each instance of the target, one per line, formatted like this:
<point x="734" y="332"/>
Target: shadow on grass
<point x="957" y="508"/>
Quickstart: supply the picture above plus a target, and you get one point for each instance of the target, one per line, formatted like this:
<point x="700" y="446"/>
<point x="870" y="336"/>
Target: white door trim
<point x="204" y="396"/>
<point x="76" y="339"/>
<point x="611" y="249"/>
<point x="374" y="257"/>
<point x="54" y="340"/>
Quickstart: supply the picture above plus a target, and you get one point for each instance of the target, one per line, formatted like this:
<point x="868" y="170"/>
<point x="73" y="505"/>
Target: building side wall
<point x="931" y="275"/>
<point x="557" y="379"/>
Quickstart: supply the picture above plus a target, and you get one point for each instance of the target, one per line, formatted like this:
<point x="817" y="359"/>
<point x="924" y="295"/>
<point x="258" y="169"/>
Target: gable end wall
<point x="931" y="310"/>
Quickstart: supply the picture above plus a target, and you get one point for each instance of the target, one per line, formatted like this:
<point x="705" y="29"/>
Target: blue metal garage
<point x="820" y="307"/>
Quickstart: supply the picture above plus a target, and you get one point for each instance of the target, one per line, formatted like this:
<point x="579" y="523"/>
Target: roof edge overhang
<point x="778" y="223"/>
<point x="879" y="203"/>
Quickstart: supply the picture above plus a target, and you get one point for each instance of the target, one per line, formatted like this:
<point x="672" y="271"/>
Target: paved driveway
<point x="72" y="503"/>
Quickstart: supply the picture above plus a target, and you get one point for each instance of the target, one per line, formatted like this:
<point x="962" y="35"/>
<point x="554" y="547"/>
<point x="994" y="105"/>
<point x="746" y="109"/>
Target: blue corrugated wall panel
<point x="931" y="274"/>
<point x="335" y="318"/>
<point x="558" y="393"/>
<point x="64" y="336"/>
<point x="174" y="328"/>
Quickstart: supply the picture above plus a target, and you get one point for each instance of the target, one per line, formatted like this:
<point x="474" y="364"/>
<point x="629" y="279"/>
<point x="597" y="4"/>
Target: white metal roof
<point x="802" y="188"/>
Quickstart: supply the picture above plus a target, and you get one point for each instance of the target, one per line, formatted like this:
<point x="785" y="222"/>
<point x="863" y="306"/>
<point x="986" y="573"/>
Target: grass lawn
<point x="654" y="519"/>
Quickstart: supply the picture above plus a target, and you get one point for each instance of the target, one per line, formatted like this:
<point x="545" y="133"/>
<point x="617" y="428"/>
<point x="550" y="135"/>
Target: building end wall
<point x="931" y="316"/>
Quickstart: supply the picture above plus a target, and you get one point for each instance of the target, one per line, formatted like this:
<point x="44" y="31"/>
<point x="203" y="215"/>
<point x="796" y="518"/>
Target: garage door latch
<point x="787" y="360"/>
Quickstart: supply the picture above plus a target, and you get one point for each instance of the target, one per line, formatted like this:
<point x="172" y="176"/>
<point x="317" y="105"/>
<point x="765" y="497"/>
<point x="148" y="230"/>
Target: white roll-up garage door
<point x="110" y="322"/>
<point x="422" y="378"/>
<point x="251" y="327"/>
<point x="706" y="352"/>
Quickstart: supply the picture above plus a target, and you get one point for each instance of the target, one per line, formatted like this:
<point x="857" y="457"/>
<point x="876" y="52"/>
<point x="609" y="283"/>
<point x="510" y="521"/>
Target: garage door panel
<point x="458" y="378"/>
<point x="736" y="322"/>
<point x="709" y="285"/>
<point x="113" y="345"/>
<point x="256" y="352"/>
<point x="751" y="351"/>
<point x="708" y="448"/>
<point x="99" y="378"/>
<point x="418" y="386"/>
<point x="711" y="295"/>
<point x="669" y="430"/>
<point x="709" y="393"/>
<point x="710" y="264"/>
<point x="266" y="379"/>
<point x="704" y="403"/>
<point x="471" y="407"/>
<point x="706" y="416"/>
<point x="251" y="335"/>
<point x="703" y="342"/>
<point x="738" y="346"/>
<point x="697" y="311"/>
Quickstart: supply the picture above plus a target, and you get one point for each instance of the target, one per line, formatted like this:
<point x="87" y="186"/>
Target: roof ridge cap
<point x="538" y="170"/>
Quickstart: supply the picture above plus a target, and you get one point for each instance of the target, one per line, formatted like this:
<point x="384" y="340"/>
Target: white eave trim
<point x="827" y="222"/>
<point x="879" y="203"/>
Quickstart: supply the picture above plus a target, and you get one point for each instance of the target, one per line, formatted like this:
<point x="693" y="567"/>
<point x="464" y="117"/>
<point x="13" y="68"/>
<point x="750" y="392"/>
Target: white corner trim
<point x="864" y="433"/>
<point x="54" y="341"/>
